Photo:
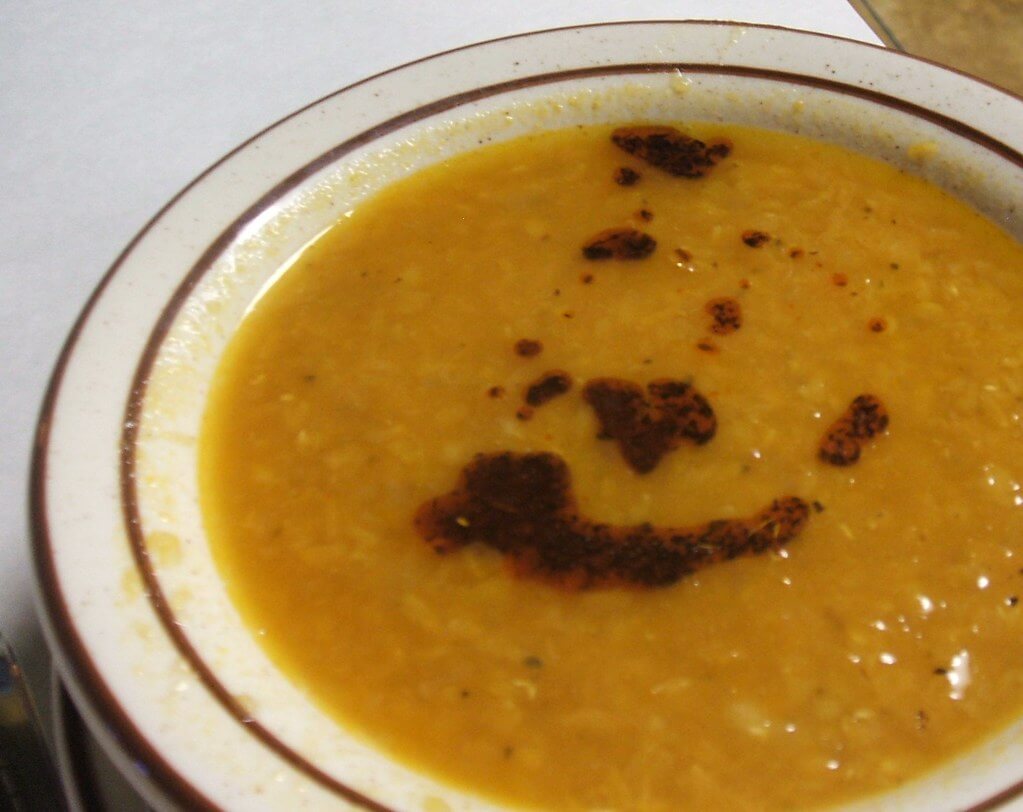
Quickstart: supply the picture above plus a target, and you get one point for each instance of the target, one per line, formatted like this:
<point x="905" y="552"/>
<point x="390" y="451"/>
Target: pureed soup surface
<point x="579" y="639"/>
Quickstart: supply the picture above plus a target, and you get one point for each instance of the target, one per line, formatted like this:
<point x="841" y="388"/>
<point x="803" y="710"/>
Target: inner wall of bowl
<point x="186" y="359"/>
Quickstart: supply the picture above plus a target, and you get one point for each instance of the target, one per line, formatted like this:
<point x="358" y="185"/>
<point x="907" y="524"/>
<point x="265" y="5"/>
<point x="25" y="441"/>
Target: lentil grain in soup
<point x="746" y="550"/>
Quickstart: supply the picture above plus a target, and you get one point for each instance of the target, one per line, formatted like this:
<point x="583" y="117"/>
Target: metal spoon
<point x="28" y="779"/>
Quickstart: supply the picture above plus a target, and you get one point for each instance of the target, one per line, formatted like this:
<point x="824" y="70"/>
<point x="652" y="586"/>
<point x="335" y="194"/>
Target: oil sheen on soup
<point x="649" y="468"/>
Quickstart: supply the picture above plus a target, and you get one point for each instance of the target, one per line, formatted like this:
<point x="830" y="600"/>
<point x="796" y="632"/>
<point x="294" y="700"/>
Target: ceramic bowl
<point x="168" y="677"/>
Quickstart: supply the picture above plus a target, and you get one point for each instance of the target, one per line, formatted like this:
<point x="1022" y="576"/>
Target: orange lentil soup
<point x="624" y="470"/>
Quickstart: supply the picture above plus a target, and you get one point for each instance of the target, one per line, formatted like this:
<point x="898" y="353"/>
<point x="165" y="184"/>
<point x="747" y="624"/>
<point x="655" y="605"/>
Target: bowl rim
<point x="113" y="725"/>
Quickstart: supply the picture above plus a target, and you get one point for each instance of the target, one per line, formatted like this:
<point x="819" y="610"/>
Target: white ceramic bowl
<point x="154" y="652"/>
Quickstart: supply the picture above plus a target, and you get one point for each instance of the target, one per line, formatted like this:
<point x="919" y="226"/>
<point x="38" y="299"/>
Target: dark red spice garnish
<point x="843" y="442"/>
<point x="624" y="176"/>
<point x="839" y="280"/>
<point x="496" y="391"/>
<point x="726" y="315"/>
<point x="619" y="243"/>
<point x="524" y="413"/>
<point x="586" y="278"/>
<point x="706" y="345"/>
<point x="645" y="214"/>
<point x="744" y="284"/>
<point x="877" y="325"/>
<point x="523" y="506"/>
<point x="797" y="253"/>
<point x="649" y="425"/>
<point x="754" y="239"/>
<point x="549" y="386"/>
<point x="671" y="150"/>
<point x="683" y="255"/>
<point x="528" y="347"/>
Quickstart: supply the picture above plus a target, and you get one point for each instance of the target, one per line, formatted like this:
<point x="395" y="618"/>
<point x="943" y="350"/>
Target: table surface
<point x="110" y="108"/>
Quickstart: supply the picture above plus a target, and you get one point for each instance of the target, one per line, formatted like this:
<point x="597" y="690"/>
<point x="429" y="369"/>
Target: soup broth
<point x="581" y="481"/>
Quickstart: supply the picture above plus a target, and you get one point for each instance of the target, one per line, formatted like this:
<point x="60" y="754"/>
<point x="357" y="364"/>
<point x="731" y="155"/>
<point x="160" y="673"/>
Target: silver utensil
<point x="28" y="778"/>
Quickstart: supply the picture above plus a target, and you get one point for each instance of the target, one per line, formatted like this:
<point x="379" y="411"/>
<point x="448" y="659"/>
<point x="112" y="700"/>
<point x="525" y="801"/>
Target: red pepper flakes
<point x="706" y="345"/>
<point x="877" y="325"/>
<point x="649" y="425"/>
<point x="586" y="278"/>
<point x="523" y="506"/>
<point x="528" y="347"/>
<point x="839" y="280"/>
<point x="549" y="386"/>
<point x="744" y="283"/>
<point x="671" y="150"/>
<point x="726" y="315"/>
<point x="619" y="243"/>
<point x="625" y="176"/>
<point x="496" y="391"/>
<point x="797" y="253"/>
<point x="865" y="418"/>
<point x="683" y="255"/>
<point x="524" y="413"/>
<point x="645" y="215"/>
<point x="754" y="239"/>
